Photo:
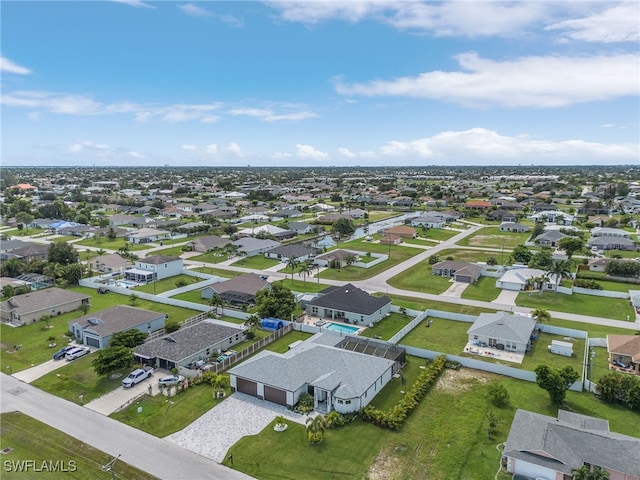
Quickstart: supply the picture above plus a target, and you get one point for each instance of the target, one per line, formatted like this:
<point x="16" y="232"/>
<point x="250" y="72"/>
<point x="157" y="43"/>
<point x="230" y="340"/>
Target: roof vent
<point x="170" y="339"/>
<point x="93" y="321"/>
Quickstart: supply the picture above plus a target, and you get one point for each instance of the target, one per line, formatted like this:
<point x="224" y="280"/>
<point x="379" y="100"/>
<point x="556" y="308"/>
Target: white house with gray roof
<point x="154" y="267"/>
<point x="539" y="446"/>
<point x="201" y="341"/>
<point x="502" y="330"/>
<point x="30" y="307"/>
<point x="338" y="379"/>
<point x="349" y="304"/>
<point x="250" y="247"/>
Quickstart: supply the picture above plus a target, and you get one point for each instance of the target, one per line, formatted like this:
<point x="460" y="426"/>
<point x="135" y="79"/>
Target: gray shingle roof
<point x="186" y="341"/>
<point x="349" y="298"/>
<point x="158" y="259"/>
<point x="503" y="326"/>
<point x="42" y="299"/>
<point x="571" y="440"/>
<point x="247" y="283"/>
<point x="115" y="319"/>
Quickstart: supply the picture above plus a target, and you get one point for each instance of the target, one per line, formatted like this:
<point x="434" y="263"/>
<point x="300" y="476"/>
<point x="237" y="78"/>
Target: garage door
<point x="247" y="386"/>
<point x="275" y="395"/>
<point x="92" y="342"/>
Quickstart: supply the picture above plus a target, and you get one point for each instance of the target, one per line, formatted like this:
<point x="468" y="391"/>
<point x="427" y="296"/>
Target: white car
<point x="169" y="380"/>
<point x="76" y="353"/>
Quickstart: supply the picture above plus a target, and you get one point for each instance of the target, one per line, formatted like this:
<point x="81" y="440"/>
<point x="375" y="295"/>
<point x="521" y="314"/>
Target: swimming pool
<point x="338" y="327"/>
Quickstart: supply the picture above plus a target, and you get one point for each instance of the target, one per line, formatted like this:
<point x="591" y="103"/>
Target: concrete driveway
<point x="120" y="397"/>
<point x="455" y="290"/>
<point x="506" y="297"/>
<point x="37" y="371"/>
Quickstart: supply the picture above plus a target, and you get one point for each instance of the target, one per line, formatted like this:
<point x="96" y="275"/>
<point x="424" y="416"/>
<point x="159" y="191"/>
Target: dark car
<point x="61" y="353"/>
<point x="621" y="363"/>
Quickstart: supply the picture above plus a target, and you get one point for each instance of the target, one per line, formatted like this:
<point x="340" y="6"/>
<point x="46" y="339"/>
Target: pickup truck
<point x="137" y="376"/>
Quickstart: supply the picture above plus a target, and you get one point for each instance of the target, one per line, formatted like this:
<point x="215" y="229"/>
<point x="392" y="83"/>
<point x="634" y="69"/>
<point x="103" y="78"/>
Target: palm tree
<point x="318" y="274"/>
<point x="305" y="270"/>
<point x="583" y="473"/>
<point x="560" y="270"/>
<point x="350" y="260"/>
<point x="216" y="301"/>
<point x="540" y="315"/>
<point x="315" y="428"/>
<point x="292" y="263"/>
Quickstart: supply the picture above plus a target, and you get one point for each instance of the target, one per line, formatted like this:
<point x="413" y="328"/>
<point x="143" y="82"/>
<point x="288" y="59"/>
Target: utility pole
<point x="108" y="467"/>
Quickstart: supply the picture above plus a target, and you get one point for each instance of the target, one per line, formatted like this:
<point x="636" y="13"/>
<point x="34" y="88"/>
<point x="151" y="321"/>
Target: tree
<point x="584" y="473"/>
<point x="276" y="302"/>
<point x="538" y="229"/>
<point x="343" y="227"/>
<point x="45" y="318"/>
<point x="315" y="428"/>
<point x="305" y="270"/>
<point x="24" y="218"/>
<point x="542" y="259"/>
<point x="251" y="322"/>
<point x="556" y="381"/>
<point x="540" y="315"/>
<point x="571" y="245"/>
<point x="350" y="260"/>
<point x="62" y="253"/>
<point x="128" y="338"/>
<point x="216" y="301"/>
<point x="12" y="268"/>
<point x="492" y="424"/>
<point x="498" y="394"/>
<point x="133" y="299"/>
<point x="491" y="261"/>
<point x="521" y="254"/>
<point x="112" y="359"/>
<point x="560" y="270"/>
<point x="72" y="273"/>
<point x="292" y="263"/>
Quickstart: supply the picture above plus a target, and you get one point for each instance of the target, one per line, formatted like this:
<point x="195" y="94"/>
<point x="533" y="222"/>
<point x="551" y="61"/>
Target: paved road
<point x="154" y="455"/>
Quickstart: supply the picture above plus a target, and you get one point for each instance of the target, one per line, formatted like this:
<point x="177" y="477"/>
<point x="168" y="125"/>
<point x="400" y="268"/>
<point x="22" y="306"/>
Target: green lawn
<point x="217" y="271"/>
<point x="192" y="296"/>
<point x="15" y="232"/>
<point x="420" y="279"/>
<point x="493" y="237"/>
<point x="171" y="251"/>
<point x="18" y="431"/>
<point x="422" y="304"/>
<point x="387" y="327"/>
<point x="462" y="255"/>
<point x="281" y="345"/>
<point x="78" y="378"/>
<point x="257" y="262"/>
<point x="111" y="243"/>
<point x="215" y="256"/>
<point x="439" y="234"/>
<point x="418" y="241"/>
<point x="485" y="290"/>
<point x="162" y="416"/>
<point x="614" y="308"/>
<point x="607" y="284"/>
<point x="167" y="284"/>
<point x="621" y="253"/>
<point x="310" y="286"/>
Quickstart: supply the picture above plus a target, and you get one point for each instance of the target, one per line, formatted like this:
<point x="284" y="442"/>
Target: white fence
<point x="600" y="293"/>
<point x="410" y="326"/>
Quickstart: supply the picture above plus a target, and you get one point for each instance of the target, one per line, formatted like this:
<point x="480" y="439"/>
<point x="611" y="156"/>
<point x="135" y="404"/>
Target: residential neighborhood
<point x="301" y="304"/>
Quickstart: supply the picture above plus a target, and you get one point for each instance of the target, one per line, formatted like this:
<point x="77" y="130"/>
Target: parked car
<point x="621" y="363"/>
<point x="169" y="380"/>
<point x="61" y="353"/>
<point x="76" y="352"/>
<point x="225" y="355"/>
<point x="137" y="376"/>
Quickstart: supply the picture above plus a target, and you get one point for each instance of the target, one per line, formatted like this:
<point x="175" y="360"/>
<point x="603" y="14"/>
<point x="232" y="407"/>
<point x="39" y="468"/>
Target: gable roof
<point x="349" y="298"/>
<point x="41" y="300"/>
<point x="294" y="250"/>
<point x="248" y="283"/>
<point x="212" y="241"/>
<point x="569" y="441"/>
<point x="115" y="319"/>
<point x="248" y="244"/>
<point x="158" y="259"/>
<point x="628" y="345"/>
<point x="522" y="275"/>
<point x="503" y="326"/>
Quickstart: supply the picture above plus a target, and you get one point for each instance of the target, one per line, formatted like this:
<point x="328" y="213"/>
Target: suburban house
<point x="549" y="238"/>
<point x="553" y="216"/>
<point x="250" y="247"/>
<point x="390" y="239"/>
<point x="28" y="252"/>
<point x="428" y="221"/>
<point x="147" y="235"/>
<point x="201" y="341"/>
<point x="301" y="228"/>
<point x="297" y="250"/>
<point x="240" y="290"/>
<point x="465" y="272"/>
<point x="122" y="219"/>
<point x="403" y="231"/>
<point x="502" y="215"/>
<point x="609" y="232"/>
<point x="349" y="304"/>
<point x="30" y="307"/>
<point x="156" y="267"/>
<point x="612" y="243"/>
<point x="503" y="331"/>
<point x="624" y="350"/>
<point x="513" y="227"/>
<point x="96" y="329"/>
<point x="277" y="232"/>
<point x="520" y="279"/>
<point x="325" y="366"/>
<point x="285" y="214"/>
<point x="109" y="263"/>
<point x="208" y="243"/>
<point x="539" y="446"/>
<point x="478" y="204"/>
<point x="340" y="255"/>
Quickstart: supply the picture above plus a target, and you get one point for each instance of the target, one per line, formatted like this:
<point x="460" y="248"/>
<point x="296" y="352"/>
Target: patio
<point x="322" y="322"/>
<point x="489" y="352"/>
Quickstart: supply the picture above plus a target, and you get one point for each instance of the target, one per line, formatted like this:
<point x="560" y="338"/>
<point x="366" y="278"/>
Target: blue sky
<point x="337" y="83"/>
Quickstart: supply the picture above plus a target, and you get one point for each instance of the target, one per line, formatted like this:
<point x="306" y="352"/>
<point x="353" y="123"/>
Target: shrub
<point x="620" y="388"/>
<point x="591" y="284"/>
<point x="181" y="283"/>
<point x="498" y="394"/>
<point x="305" y="403"/>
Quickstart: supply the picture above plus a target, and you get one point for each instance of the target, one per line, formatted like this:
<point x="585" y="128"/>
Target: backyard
<point x="420" y="279"/>
<point x="614" y="308"/>
<point x="493" y="237"/>
<point x="167" y="284"/>
<point x="387" y="327"/>
<point x="257" y="262"/>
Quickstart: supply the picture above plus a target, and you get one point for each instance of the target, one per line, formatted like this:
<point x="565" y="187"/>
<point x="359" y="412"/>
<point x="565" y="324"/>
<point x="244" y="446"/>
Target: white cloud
<point x="481" y="144"/>
<point x="618" y="23"/>
<point x="195" y="11"/>
<point x="467" y="18"/>
<point x="309" y="152"/>
<point x="74" y="104"/>
<point x="213" y="150"/>
<point x="84" y="146"/>
<point x="135" y="154"/>
<point x="234" y="150"/>
<point x="188" y="148"/>
<point x="345" y="152"/>
<point x="135" y="3"/>
<point x="269" y="115"/>
<point x="8" y="66"/>
<point x="34" y="116"/>
<point x="542" y="82"/>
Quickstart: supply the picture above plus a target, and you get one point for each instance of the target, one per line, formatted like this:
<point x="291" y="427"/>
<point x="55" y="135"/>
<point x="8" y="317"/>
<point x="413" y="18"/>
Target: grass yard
<point x="387" y="327"/>
<point x="398" y="254"/>
<point x="64" y="238"/>
<point x="162" y="416"/>
<point x="444" y="438"/>
<point x="462" y="255"/>
<point x="485" y="290"/>
<point x="257" y="262"/>
<point x="18" y="431"/>
<point x="167" y="284"/>
<point x="192" y="296"/>
<point x="377" y="215"/>
<point x="419" y="241"/>
<point x="171" y="251"/>
<point x="310" y="286"/>
<point x="420" y="279"/>
<point x="281" y="345"/>
<point x="493" y="237"/>
<point x="216" y="256"/>
<point x="111" y="243"/>
<point x="439" y="234"/>
<point x="614" y="308"/>
<point x="217" y="271"/>
<point x="422" y="304"/>
<point x="78" y="378"/>
<point x="607" y="284"/>
<point x="621" y="253"/>
<point x="31" y="232"/>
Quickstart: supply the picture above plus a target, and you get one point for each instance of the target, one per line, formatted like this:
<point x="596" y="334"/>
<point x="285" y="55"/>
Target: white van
<point x="76" y="353"/>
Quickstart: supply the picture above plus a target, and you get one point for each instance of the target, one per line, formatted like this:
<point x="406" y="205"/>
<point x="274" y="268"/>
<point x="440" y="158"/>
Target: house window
<point x="347" y="402"/>
<point x="340" y="402"/>
<point x="475" y="337"/>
